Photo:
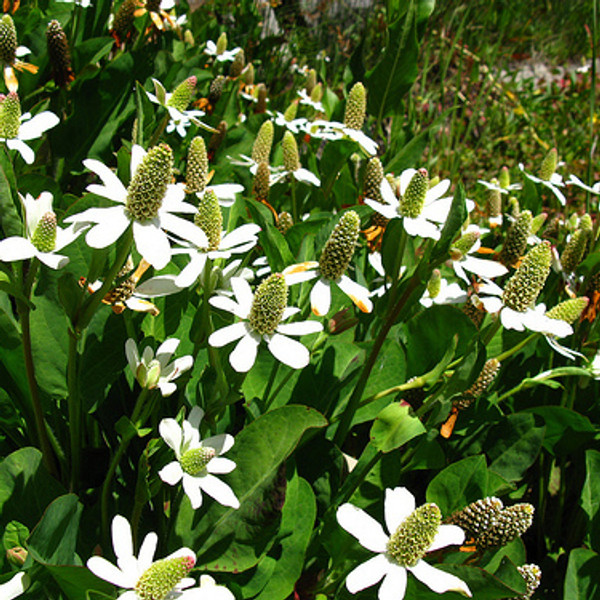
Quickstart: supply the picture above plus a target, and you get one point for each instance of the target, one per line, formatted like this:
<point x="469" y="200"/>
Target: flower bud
<point x="269" y="304"/>
<point x="494" y="201"/>
<point x="411" y="204"/>
<point x="570" y="310"/>
<point x="210" y="219"/>
<point x="16" y="556"/>
<point x="216" y="89"/>
<point x="8" y="40"/>
<point x="434" y="285"/>
<point x="523" y="288"/>
<point x="261" y="99"/>
<point x="238" y="64"/>
<point x="262" y="179"/>
<point x="148" y="375"/>
<point x="124" y="18"/>
<point x="373" y="178"/>
<point x="483" y="381"/>
<point x="261" y="149"/>
<point x="504" y="178"/>
<point x="291" y="111"/>
<point x="340" y="246"/>
<point x="183" y="94"/>
<point x="311" y="81"/>
<point x="291" y="159"/>
<point x="248" y="74"/>
<point x="356" y="107"/>
<point x="317" y="94"/>
<point x="574" y="251"/>
<point x="463" y="245"/>
<point x="515" y="243"/>
<point x="221" y="44"/>
<point x="161" y="577"/>
<point x="537" y="222"/>
<point x="284" y="222"/>
<point x="59" y="54"/>
<point x="548" y="166"/>
<point x="10" y="116"/>
<point x="44" y="236"/>
<point x="196" y="174"/>
<point x="532" y="575"/>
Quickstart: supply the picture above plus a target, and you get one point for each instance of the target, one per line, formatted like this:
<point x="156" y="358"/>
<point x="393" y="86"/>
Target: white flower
<point x="399" y="514"/>
<point x="14" y="587"/>
<point x="487" y="269"/>
<point x="496" y="187"/>
<point x="240" y="240"/>
<point x="306" y="99"/>
<point x="333" y="130"/>
<point x="132" y="573"/>
<point x="108" y="224"/>
<point x="435" y="209"/>
<point x="22" y="248"/>
<point x="289" y="352"/>
<point x="450" y="293"/>
<point x="594" y="366"/>
<point x="227" y="55"/>
<point x="31" y="128"/>
<point x="209" y="590"/>
<point x="294" y="125"/>
<point x="156" y="371"/>
<point x="376" y="261"/>
<point x="197" y="460"/>
<point x="555" y="182"/>
<point x="595" y="189"/>
<point x="82" y="3"/>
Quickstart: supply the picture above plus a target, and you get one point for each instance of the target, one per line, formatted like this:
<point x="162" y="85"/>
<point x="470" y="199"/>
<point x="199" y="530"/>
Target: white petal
<point x="52" y="260"/>
<point x="243" y="293"/>
<point x="288" y="351"/>
<point x="190" y="273"/>
<point x="228" y="334"/>
<point x="421" y="227"/>
<point x="300" y="328"/>
<point x="240" y="235"/>
<point x="437" y="211"/>
<point x="166" y="350"/>
<point x="152" y="243"/>
<point x="191" y="436"/>
<point x="394" y="584"/>
<point x="226" y="191"/>
<point x="140" y="305"/>
<point x="155" y="287"/>
<point x="439" y="581"/>
<point x="114" y="223"/>
<point x="219" y="465"/>
<point x="184" y="229"/>
<point x="170" y="431"/>
<point x="137" y="155"/>
<point x="356" y="292"/>
<point x="558" y="194"/>
<point x="173" y="200"/>
<point x="491" y="304"/>
<point x="367" y="573"/>
<point x="221" y="442"/>
<point x="195" y="417"/>
<point x="225" y="303"/>
<point x="320" y="298"/>
<point x="387" y="210"/>
<point x="447" y="535"/>
<point x="399" y="503"/>
<point x="13" y="587"/>
<point x="34" y="128"/>
<point x="483" y="268"/>
<point x="363" y="527"/>
<point x="219" y="490"/>
<point x="512" y="319"/>
<point x="102" y="568"/>
<point x="133" y="357"/>
<point x="24" y="150"/>
<point x="171" y="473"/>
<point x="121" y="537"/>
<point x="307" y="176"/>
<point x="437" y="191"/>
<point x="243" y="356"/>
<point x="147" y="550"/>
<point x="191" y="487"/>
<point x="16" y="248"/>
<point x="112" y="189"/>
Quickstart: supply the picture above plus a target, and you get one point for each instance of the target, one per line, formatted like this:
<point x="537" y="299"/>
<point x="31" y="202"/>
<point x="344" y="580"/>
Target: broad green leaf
<point x="581" y="581"/>
<point x="297" y="521"/>
<point x="15" y="534"/>
<point x="10" y="222"/>
<point x="26" y="488"/>
<point x="54" y="538"/>
<point x="513" y="445"/>
<point x="590" y="496"/>
<point x="234" y="540"/>
<point x="456" y="217"/>
<point x="394" y="426"/>
<point x="459" y="484"/>
<point x="79" y="583"/>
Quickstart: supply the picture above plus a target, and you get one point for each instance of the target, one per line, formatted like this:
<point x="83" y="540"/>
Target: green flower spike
<point x="373" y="178"/>
<point x="8" y="40"/>
<point x="537" y="222"/>
<point x="511" y="523"/>
<point x="269" y="304"/>
<point x="10" y="115"/>
<point x="532" y="575"/>
<point x="311" y="81"/>
<point x="196" y="175"/>
<point x="434" y="285"/>
<point x="210" y="219"/>
<point x="194" y="461"/>
<point x="183" y="94"/>
<point x="161" y="577"/>
<point x="515" y="243"/>
<point x="411" y="204"/>
<point x="523" y="288"/>
<point x="569" y="310"/>
<point x="262" y="182"/>
<point x="238" y="64"/>
<point x="463" y="244"/>
<point x="548" y="166"/>
<point x="216" y="139"/>
<point x="290" y="112"/>
<point x="504" y="178"/>
<point x="261" y="99"/>
<point x="215" y="90"/>
<point x="284" y="222"/>
<point x="59" y="54"/>
<point x="261" y="149"/>
<point x="409" y="543"/>
<point x="149" y="184"/>
<point x="317" y="94"/>
<point x="478" y="517"/>
<point x="222" y="44"/>
<point x="291" y="159"/>
<point x="494" y="201"/>
<point x="340" y="246"/>
<point x="248" y="74"/>
<point x="124" y="18"/>
<point x="356" y="107"/>
<point x="574" y="251"/>
<point x="483" y="381"/>
<point x="44" y="236"/>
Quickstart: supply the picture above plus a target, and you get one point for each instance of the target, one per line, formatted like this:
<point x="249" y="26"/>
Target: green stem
<point x="519" y="346"/>
<point x="75" y="413"/>
<point x="294" y="200"/>
<point x="159" y="131"/>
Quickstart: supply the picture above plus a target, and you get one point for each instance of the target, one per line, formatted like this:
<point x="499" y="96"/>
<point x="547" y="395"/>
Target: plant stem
<point x="75" y="414"/>
<point x="518" y="347"/>
<point x="159" y="131"/>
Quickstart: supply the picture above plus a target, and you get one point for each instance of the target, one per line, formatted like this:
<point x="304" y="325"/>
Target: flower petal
<point x="184" y="229"/>
<point x="14" y="587"/>
<point x="166" y="350"/>
<point x="23" y="149"/>
<point x="16" y="248"/>
<point x="147" y="550"/>
<point x="228" y="334"/>
<point x="240" y="235"/>
<point x="306" y="176"/>
<point x="243" y="356"/>
<point x="363" y="527"/>
<point x="113" y="188"/>
<point x="170" y="431"/>
<point x="113" y="225"/>
<point x="221" y="442"/>
<point x="320" y="298"/>
<point x="133" y="357"/>
<point x="439" y="581"/>
<point x="356" y="292"/>
<point x="394" y="584"/>
<point x="367" y="574"/>
<point x="288" y="351"/>
<point x="191" y="487"/>
<point x="171" y="473"/>
<point x="483" y="268"/>
<point x="447" y="535"/>
<point x="190" y="273"/>
<point x="121" y="537"/>
<point x="300" y="328"/>
<point x="512" y="319"/>
<point x="219" y="465"/>
<point x="387" y="210"/>
<point x="152" y="243"/>
<point x="41" y="122"/>
<point x="219" y="490"/>
<point x="399" y="503"/>
<point x="243" y="293"/>
<point x="155" y="287"/>
<point x="102" y="568"/>
<point x="225" y="303"/>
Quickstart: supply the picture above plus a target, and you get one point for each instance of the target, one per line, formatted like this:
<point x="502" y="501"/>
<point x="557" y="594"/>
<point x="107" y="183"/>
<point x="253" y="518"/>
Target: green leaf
<point x="9" y="217"/>
<point x="395" y="73"/>
<point x="456" y="217"/>
<point x="459" y="484"/>
<point x="513" y="445"/>
<point x="54" y="538"/>
<point x="590" y="496"/>
<point x="394" y="426"/>
<point x="79" y="583"/>
<point x="69" y="293"/>
<point x="297" y="520"/>
<point x="581" y="581"/>
<point x="14" y="535"/>
<point x="236" y="539"/>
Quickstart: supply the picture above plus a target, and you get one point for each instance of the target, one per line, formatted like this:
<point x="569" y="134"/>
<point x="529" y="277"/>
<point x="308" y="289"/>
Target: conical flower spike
<point x="411" y="204"/>
<point x="238" y="64"/>
<point x="410" y="542"/>
<point x="196" y="174"/>
<point x="261" y="149"/>
<point x="210" y="219"/>
<point x="532" y="575"/>
<point x="504" y="178"/>
<point x="373" y="178"/>
<point x="124" y="19"/>
<point x="478" y="517"/>
<point x="574" y="251"/>
<point x="461" y="247"/>
<point x="291" y="160"/>
<point x="261" y="99"/>
<point x="183" y="94"/>
<point x="512" y="522"/>
<point x="269" y="304"/>
<point x="523" y="288"/>
<point x="569" y="310"/>
<point x="10" y="116"/>
<point x="340" y="246"/>
<point x="248" y="74"/>
<point x="222" y="44"/>
<point x="59" y="54"/>
<point x="284" y="222"/>
<point x="311" y="81"/>
<point x="486" y="377"/>
<point x="158" y="580"/>
<point x="290" y="112"/>
<point x="356" y="107"/>
<point x="149" y="184"/>
<point x="494" y="201"/>
<point x="548" y="166"/>
<point x="216" y="89"/>
<point x="537" y="222"/>
<point x="44" y="236"/>
<point x="515" y="243"/>
<point x="262" y="182"/>
<point x="8" y="40"/>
